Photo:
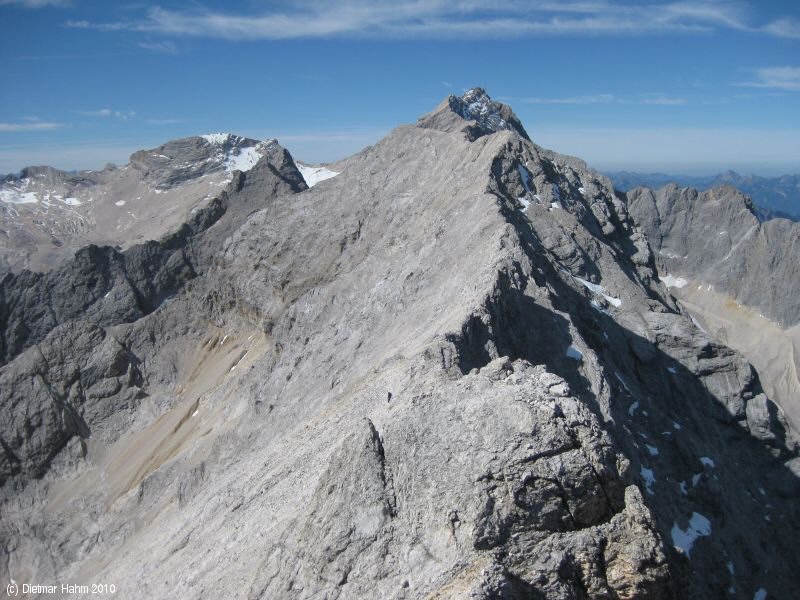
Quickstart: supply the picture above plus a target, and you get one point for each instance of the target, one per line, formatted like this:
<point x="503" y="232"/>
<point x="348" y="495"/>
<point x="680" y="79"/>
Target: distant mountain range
<point x="773" y="196"/>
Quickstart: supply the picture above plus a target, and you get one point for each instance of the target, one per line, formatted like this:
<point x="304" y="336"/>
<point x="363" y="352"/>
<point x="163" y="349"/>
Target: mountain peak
<point x="484" y="116"/>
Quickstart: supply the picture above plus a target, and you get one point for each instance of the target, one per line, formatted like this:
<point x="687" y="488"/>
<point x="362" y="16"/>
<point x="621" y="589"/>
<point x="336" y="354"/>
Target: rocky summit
<point x="449" y="369"/>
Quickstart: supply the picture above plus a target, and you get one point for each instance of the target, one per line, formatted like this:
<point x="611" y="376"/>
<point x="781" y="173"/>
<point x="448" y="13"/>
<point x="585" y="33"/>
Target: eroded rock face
<point x="736" y="275"/>
<point x="715" y="237"/>
<point x="449" y="371"/>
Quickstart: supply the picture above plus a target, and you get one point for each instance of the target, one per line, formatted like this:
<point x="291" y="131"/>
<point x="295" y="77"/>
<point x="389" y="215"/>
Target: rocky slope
<point x="450" y="371"/>
<point x="738" y="276"/>
<point x="47" y="214"/>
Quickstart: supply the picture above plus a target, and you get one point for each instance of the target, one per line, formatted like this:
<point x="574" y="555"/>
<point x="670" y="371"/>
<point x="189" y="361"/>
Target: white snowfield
<point x="313" y="175"/>
<point x="683" y="539"/>
<point x="598" y="289"/>
<point x="672" y="281"/>
<point x="216" y="138"/>
<point x="245" y="160"/>
<point x="235" y="158"/>
<point x="12" y="196"/>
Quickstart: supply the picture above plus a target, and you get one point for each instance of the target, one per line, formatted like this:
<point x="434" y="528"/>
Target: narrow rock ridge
<point x="449" y="371"/>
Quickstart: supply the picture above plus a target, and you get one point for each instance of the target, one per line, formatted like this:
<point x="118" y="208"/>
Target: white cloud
<point x="164" y="121"/>
<point x="788" y="28"/>
<point x="593" y="99"/>
<point x="659" y="99"/>
<point x="107" y="112"/>
<point x="778" y="78"/>
<point x="449" y="19"/>
<point x="662" y="100"/>
<point x="32" y="124"/>
<point x="160" y="47"/>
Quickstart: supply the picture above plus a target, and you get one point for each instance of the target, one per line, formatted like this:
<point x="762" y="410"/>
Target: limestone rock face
<point x="715" y="237"/>
<point x="737" y="276"/>
<point x="449" y="371"/>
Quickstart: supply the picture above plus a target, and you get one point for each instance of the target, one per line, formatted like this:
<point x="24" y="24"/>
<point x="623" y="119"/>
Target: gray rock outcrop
<point x="715" y="237"/>
<point x="737" y="276"/>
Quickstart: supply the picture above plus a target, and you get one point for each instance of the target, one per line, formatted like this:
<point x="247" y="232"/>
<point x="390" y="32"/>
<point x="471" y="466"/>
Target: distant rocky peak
<point x="475" y="106"/>
<point x="185" y="159"/>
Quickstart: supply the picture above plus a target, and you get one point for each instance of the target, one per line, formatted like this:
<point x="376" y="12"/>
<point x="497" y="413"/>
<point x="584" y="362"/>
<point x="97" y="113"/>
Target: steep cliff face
<point x="737" y="276"/>
<point x="448" y="371"/>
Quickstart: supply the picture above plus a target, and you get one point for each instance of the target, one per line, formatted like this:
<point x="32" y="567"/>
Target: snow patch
<point x="634" y="407"/>
<point x="12" y="196"/>
<point x="244" y="160"/>
<point x="72" y="202"/>
<point x="598" y="289"/>
<point x="707" y="461"/>
<point x="313" y="175"/>
<point x="652" y="450"/>
<point x="671" y="281"/>
<point x="761" y="594"/>
<point x="216" y="138"/>
<point x="684" y="539"/>
<point x="120" y="203"/>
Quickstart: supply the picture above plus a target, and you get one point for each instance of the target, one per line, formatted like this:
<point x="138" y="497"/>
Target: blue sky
<point x="682" y="86"/>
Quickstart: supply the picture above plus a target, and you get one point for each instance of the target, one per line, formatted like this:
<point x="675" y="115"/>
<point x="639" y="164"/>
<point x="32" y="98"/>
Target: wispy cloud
<point x="594" y="99"/>
<point x="778" y="78"/>
<point x="662" y="100"/>
<point x="787" y="28"/>
<point x="450" y="19"/>
<point x="31" y="124"/>
<point x="35" y="3"/>
<point x="107" y="112"/>
<point x="163" y="121"/>
<point x="652" y="98"/>
<point x="160" y="47"/>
